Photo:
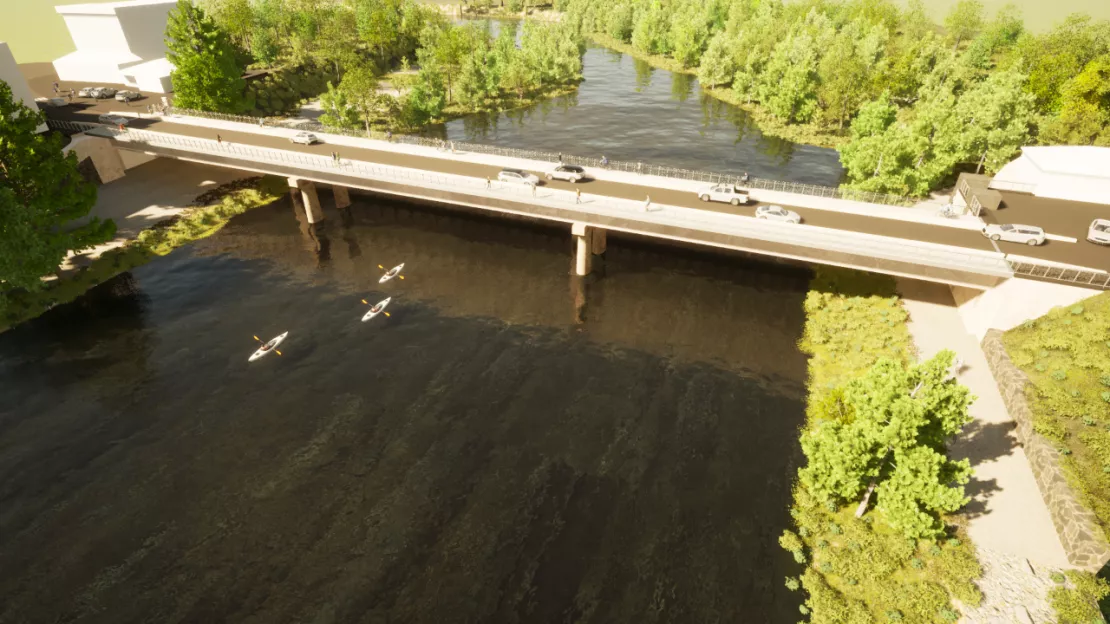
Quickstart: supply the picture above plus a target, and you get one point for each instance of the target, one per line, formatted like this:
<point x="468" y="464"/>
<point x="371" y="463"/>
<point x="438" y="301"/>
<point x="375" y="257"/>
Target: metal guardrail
<point x="927" y="254"/>
<point x="708" y="177"/>
<point x="1082" y="277"/>
<point x="72" y="127"/>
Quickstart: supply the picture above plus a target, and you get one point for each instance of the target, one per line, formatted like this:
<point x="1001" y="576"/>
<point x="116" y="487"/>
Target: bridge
<point x="843" y="232"/>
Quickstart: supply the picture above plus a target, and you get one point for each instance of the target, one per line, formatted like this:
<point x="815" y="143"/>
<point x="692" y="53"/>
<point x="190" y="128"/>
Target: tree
<point x="338" y="111"/>
<point x="689" y="34"/>
<point x="886" y="434"/>
<point x="207" y="75"/>
<point x="964" y="21"/>
<point x="619" y="23"/>
<point x="426" y="99"/>
<point x="360" y="87"/>
<point x="787" y="87"/>
<point x="718" y="64"/>
<point x="650" y="32"/>
<point x="847" y="68"/>
<point x="41" y="192"/>
<point x="991" y="121"/>
<point x="1055" y="58"/>
<point x="1084" y="117"/>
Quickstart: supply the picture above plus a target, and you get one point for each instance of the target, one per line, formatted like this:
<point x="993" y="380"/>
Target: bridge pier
<point x="307" y="189"/>
<point x="105" y="157"/>
<point x="589" y="242"/>
<point x="342" y="196"/>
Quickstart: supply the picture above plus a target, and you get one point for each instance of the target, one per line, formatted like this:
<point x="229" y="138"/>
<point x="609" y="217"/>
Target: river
<point x="511" y="445"/>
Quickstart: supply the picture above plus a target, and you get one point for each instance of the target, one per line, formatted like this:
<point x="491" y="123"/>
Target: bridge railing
<point x="707" y="177"/>
<point x="1072" y="275"/>
<point x="840" y="241"/>
<point x="71" y="127"/>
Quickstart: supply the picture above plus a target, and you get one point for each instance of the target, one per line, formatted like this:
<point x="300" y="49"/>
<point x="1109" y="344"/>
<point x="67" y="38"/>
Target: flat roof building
<point x="118" y="43"/>
<point x="10" y="73"/>
<point x="1072" y="172"/>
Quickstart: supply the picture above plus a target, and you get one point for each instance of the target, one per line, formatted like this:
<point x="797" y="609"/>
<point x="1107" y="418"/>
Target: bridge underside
<point x="628" y="224"/>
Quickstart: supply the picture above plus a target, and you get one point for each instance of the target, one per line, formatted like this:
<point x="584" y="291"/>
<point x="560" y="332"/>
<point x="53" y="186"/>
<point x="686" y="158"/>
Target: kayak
<point x="268" y="347"/>
<point x="392" y="273"/>
<point x="378" y="308"/>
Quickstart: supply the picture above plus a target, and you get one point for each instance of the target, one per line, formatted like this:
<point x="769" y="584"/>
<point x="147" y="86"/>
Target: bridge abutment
<point x="342" y="196"/>
<point x="311" y="200"/>
<point x="589" y="241"/>
<point x="106" y="159"/>
<point x="1013" y="302"/>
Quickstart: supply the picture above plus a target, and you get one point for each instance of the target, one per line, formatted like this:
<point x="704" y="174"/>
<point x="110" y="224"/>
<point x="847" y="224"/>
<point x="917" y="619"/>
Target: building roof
<point x="105" y="8"/>
<point x="157" y="67"/>
<point x="1081" y="160"/>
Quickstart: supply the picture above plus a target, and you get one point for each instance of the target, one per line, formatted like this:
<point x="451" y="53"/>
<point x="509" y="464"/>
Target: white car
<point x="54" y="102"/>
<point x="127" y="96"/>
<point x="87" y="91"/>
<point x="517" y="176"/>
<point x="113" y="120"/>
<point x="570" y="173"/>
<point x="304" y="138"/>
<point x="1099" y="232"/>
<point x="728" y="193"/>
<point x="777" y="213"/>
<point x="1011" y="232"/>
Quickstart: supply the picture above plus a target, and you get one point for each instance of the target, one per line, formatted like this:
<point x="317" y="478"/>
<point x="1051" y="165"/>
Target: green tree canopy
<point x="964" y="21"/>
<point x="207" y="74"/>
<point x="1084" y="117"/>
<point x="41" y="193"/>
<point x="887" y="433"/>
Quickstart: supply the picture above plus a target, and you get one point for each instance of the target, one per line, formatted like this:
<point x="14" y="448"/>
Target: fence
<point x="71" y="127"/>
<point x="1082" y="277"/>
<point x="570" y="159"/>
<point x="899" y="250"/>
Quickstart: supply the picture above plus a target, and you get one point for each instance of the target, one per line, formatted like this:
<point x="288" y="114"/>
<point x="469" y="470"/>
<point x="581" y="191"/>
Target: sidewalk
<point x="1007" y="513"/>
<point x="916" y="215"/>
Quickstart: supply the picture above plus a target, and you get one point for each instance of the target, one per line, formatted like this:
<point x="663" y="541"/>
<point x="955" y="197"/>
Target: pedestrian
<point x="334" y="157"/>
<point x="452" y="147"/>
<point x="121" y="127"/>
<point x="647" y="204"/>
<point x="560" y="159"/>
<point x="604" y="161"/>
<point x="261" y="122"/>
<point x="534" y="190"/>
<point x="219" y="140"/>
<point x="639" y="167"/>
<point x="71" y="96"/>
<point x="149" y="109"/>
<point x="389" y="135"/>
<point x="744" y="178"/>
<point x="577" y="195"/>
<point x="489" y="183"/>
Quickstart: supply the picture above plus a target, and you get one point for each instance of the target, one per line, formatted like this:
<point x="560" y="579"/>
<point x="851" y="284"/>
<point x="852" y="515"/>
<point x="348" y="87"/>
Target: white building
<point x="9" y="73"/>
<point x="1072" y="172"/>
<point x="118" y="43"/>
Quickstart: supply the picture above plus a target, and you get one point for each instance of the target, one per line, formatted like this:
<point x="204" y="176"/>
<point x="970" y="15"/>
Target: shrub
<point x="1078" y="604"/>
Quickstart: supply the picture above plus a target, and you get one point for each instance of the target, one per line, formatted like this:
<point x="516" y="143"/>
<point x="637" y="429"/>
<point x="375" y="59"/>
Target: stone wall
<point x="1082" y="537"/>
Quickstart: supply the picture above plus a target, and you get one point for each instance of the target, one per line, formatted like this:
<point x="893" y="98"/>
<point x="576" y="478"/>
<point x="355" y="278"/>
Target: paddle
<point x="264" y="344"/>
<point x="368" y="303"/>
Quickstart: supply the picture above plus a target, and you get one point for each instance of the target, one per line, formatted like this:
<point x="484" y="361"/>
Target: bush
<point x="1078" y="604"/>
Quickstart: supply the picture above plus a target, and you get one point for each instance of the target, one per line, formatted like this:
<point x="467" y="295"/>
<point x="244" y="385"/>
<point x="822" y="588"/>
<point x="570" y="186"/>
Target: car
<point x="517" y="176"/>
<point x="102" y="93"/>
<point x="54" y="102"/>
<point x="114" y="120"/>
<point x="728" y="193"/>
<point x="777" y="213"/>
<point x="570" y="173"/>
<point x="87" y="91"/>
<point x="1014" y="233"/>
<point x="127" y="96"/>
<point x="1099" y="232"/>
<point x="304" y="138"/>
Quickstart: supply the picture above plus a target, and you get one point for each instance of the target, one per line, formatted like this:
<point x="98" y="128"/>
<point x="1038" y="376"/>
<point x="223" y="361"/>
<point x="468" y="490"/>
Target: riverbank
<point x="190" y="224"/>
<point x="769" y="125"/>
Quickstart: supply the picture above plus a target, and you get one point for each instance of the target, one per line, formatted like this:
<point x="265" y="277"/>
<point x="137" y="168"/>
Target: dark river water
<point x="511" y="445"/>
<point x="627" y="110"/>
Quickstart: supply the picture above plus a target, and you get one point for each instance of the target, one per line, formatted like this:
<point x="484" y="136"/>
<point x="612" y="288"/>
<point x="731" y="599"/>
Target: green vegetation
<point x="284" y="89"/>
<point x="911" y="103"/>
<point x="1066" y="354"/>
<point x="19" y="305"/>
<point x="1078" y="601"/>
<point x="868" y="568"/>
<point x="207" y="74"/>
<point x="41" y="191"/>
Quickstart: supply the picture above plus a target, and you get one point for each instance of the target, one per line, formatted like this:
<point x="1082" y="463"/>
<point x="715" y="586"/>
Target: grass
<point x="769" y="125"/>
<point x="861" y="570"/>
<point x="1066" y="354"/>
<point x="18" y="306"/>
<point x="1076" y="599"/>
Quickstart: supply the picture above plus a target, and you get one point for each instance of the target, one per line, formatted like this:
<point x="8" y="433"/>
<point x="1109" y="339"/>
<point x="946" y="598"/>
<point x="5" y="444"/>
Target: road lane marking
<point x="1062" y="239"/>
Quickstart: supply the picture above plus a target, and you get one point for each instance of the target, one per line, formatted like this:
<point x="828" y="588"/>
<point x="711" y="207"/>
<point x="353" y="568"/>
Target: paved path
<point x="1007" y="513"/>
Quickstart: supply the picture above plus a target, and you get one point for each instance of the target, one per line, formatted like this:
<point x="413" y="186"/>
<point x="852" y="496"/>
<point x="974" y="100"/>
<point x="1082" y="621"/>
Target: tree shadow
<point x="980" y="443"/>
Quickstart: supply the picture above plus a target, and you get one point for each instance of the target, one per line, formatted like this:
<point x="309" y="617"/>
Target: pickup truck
<point x="728" y="193"/>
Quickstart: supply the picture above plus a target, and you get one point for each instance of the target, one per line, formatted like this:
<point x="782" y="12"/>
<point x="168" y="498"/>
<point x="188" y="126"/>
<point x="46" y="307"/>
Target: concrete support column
<point x="105" y="157"/>
<point x="589" y="242"/>
<point x="342" y="196"/>
<point x="312" y="209"/>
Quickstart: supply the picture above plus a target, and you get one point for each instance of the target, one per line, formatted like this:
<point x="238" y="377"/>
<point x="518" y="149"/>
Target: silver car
<point x="113" y="120"/>
<point x="127" y="96"/>
<point x="1099" y="232"/>
<point x="517" y="176"/>
<point x="570" y="173"/>
<point x="777" y="213"/>
<point x="304" y="138"/>
<point x="87" y="91"/>
<point x="101" y="93"/>
<point x="1014" y="233"/>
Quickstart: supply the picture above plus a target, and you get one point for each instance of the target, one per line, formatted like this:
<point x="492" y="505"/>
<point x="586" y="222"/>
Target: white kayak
<point x="378" y="308"/>
<point x="268" y="347"/>
<point x="392" y="273"/>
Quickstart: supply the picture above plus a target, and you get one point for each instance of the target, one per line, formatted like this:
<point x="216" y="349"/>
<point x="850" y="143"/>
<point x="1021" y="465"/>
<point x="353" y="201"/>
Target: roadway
<point x="1056" y="217"/>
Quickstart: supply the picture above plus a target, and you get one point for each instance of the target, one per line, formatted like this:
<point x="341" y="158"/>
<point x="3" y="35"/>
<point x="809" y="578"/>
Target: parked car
<point x="1011" y="232"/>
<point x="54" y="102"/>
<point x="728" y="193"/>
<point x="102" y="93"/>
<point x="777" y="213"/>
<point x="127" y="96"/>
<point x="517" y="176"/>
<point x="1099" y="232"/>
<point x="570" y="173"/>
<point x="114" y="120"/>
<point x="87" y="91"/>
<point x="304" y="138"/>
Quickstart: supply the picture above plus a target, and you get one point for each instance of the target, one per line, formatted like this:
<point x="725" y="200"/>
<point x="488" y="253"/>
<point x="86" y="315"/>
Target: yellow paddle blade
<point x="366" y="302"/>
<point x="258" y="339"/>
<point x="387" y="313"/>
<point x="276" y="351"/>
<point x="401" y="276"/>
<point x="380" y="266"/>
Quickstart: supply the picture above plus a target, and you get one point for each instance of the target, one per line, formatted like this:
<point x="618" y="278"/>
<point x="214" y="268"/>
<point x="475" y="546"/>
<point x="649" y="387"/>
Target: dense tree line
<point x="458" y="68"/>
<point x="913" y="100"/>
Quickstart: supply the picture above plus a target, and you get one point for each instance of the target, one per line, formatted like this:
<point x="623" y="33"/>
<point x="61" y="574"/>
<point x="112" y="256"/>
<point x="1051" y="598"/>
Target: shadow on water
<point x="511" y="445"/>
